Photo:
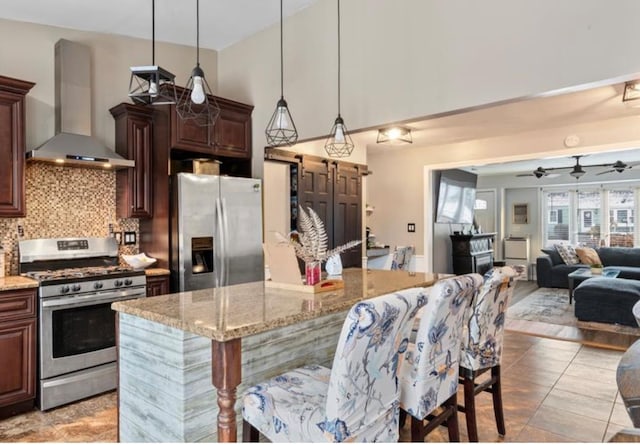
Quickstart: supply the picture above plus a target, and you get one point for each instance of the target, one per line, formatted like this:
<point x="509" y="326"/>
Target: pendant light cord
<point x="281" y="56"/>
<point x="338" y="57"/>
<point x="198" y="32"/>
<point x="153" y="32"/>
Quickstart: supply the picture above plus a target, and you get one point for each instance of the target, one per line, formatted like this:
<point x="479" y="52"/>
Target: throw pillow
<point x="554" y="255"/>
<point x="587" y="255"/>
<point x="568" y="254"/>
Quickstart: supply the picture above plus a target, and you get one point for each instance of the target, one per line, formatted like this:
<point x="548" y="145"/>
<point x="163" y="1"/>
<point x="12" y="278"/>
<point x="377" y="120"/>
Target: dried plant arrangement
<point x="311" y="241"/>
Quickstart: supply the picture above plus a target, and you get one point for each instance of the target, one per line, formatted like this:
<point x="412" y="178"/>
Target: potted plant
<point x="311" y="243"/>
<point x="596" y="269"/>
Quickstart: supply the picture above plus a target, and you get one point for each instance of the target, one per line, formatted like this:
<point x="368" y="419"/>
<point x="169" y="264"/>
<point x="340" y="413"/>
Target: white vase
<point x="334" y="265"/>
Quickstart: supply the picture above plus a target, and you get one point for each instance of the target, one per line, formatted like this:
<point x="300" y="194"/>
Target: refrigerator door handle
<point x="225" y="232"/>
<point x="220" y="251"/>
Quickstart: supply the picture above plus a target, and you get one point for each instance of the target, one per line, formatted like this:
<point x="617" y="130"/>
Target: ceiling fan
<point x="577" y="171"/>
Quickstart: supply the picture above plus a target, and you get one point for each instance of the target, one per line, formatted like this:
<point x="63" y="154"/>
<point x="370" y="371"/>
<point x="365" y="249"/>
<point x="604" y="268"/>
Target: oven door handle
<point x="87" y="300"/>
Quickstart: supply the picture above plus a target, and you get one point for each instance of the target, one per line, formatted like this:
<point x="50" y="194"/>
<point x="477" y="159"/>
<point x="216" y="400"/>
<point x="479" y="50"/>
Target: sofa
<point x="551" y="271"/>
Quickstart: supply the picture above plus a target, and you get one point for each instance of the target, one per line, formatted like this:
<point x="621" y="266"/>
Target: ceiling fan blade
<point x="605" y="172"/>
<point x="525" y="174"/>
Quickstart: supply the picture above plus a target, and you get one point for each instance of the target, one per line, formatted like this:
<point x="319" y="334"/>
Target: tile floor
<point x="553" y="391"/>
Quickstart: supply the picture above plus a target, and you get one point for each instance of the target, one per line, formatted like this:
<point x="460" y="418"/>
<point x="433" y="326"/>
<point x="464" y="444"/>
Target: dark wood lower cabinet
<point x="17" y="351"/>
<point x="157" y="285"/>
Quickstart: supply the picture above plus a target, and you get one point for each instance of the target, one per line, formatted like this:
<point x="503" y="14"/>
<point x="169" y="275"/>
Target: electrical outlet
<point x="411" y="227"/>
<point x="110" y="228"/>
<point x="20" y="231"/>
<point x="129" y="238"/>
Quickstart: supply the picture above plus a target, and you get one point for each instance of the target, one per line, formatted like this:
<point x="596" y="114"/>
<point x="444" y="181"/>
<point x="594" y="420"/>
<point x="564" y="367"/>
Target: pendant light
<point x="197" y="102"/>
<point x="281" y="129"/>
<point x="152" y="84"/>
<point x="339" y="143"/>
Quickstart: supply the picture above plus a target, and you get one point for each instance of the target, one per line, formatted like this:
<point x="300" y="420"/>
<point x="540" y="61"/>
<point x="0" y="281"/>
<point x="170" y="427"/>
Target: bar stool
<point x="429" y="368"/>
<point x="357" y="399"/>
<point x="482" y="346"/>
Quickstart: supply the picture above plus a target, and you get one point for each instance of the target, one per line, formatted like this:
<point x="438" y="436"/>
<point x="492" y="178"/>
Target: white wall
<point x="27" y="52"/>
<point x="276" y="192"/>
<point x="414" y="58"/>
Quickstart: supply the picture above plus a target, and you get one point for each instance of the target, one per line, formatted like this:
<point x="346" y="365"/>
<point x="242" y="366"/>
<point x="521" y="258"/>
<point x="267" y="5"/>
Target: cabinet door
<point x="233" y="132"/>
<point x="347" y="212"/>
<point x="12" y="146"/>
<point x="188" y="136"/>
<point x="140" y="177"/>
<point x="157" y="285"/>
<point x="134" y="186"/>
<point x="18" y="358"/>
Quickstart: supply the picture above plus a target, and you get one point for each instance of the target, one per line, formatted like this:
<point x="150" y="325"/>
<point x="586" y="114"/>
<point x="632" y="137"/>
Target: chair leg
<point x="417" y="430"/>
<point x="249" y="432"/>
<point x="452" y="420"/>
<point x="496" y="392"/>
<point x="403" y="418"/>
<point x="470" y="408"/>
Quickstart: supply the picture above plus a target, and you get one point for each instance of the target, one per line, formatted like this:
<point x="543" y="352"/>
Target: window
<point x="556" y="207"/>
<point x="621" y="218"/>
<point x="588" y="230"/>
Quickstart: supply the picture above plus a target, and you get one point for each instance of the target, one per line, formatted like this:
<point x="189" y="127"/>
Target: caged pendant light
<point x="281" y="130"/>
<point x="152" y="84"/>
<point x="339" y="143"/>
<point x="197" y="102"/>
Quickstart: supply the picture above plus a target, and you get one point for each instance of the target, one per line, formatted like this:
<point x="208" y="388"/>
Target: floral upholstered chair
<point x="429" y="368"/>
<point x="356" y="400"/>
<point x="402" y="257"/>
<point x="482" y="345"/>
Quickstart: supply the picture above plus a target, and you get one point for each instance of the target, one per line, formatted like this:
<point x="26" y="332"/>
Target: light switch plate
<point x="411" y="227"/>
<point x="129" y="238"/>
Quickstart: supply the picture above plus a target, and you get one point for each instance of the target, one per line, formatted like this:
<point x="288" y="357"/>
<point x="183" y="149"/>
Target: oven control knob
<point x="118" y="283"/>
<point x="128" y="282"/>
<point x="98" y="285"/>
<point x="76" y="288"/>
<point x="64" y="289"/>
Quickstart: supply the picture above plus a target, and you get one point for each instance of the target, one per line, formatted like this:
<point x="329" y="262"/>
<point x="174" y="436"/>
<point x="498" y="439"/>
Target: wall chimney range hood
<point x="73" y="144"/>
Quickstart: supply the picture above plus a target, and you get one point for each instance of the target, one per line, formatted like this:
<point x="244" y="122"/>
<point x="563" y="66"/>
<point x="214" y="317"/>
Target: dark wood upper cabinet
<point x="134" y="140"/>
<point x="229" y="137"/>
<point x="232" y="132"/>
<point x="12" y="145"/>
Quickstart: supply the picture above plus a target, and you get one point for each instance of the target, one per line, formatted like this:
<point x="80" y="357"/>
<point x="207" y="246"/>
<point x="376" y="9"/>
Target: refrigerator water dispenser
<point x="202" y="255"/>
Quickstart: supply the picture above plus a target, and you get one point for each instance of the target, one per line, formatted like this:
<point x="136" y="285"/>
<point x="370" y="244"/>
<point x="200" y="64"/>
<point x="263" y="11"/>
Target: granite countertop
<point x="154" y="272"/>
<point x="16" y="282"/>
<point x="242" y="310"/>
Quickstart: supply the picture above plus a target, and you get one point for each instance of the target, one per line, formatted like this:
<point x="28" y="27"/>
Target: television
<point x="456" y="197"/>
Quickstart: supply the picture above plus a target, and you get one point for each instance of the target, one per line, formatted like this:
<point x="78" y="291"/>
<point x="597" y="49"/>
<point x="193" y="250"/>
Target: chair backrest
<point x="402" y="258"/>
<point x="363" y="390"/>
<point x="482" y="342"/>
<point x="432" y="364"/>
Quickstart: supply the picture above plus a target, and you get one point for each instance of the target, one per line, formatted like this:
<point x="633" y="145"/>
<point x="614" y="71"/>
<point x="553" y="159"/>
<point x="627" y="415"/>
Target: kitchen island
<point x="172" y="347"/>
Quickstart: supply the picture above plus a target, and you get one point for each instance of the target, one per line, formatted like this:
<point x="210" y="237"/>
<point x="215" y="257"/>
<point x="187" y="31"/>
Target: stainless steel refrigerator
<point x="216" y="231"/>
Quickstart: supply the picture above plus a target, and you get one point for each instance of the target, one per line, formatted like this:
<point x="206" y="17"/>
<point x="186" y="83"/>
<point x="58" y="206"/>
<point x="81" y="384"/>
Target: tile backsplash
<point x="65" y="202"/>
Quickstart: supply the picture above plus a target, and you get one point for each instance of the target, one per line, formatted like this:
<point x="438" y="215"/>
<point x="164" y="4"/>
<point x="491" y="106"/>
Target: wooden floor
<point x="553" y="391"/>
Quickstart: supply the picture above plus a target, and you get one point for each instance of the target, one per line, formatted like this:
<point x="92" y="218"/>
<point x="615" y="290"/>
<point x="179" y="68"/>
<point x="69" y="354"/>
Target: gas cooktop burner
<point x="77" y="272"/>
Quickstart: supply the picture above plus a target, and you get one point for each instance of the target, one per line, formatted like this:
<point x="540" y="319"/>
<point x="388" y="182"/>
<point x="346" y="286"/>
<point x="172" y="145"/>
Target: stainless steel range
<point x="79" y="279"/>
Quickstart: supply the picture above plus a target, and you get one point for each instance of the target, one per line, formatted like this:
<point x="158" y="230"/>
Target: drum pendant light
<point x="152" y="84"/>
<point x="197" y="102"/>
<point x="339" y="143"/>
<point x="281" y="129"/>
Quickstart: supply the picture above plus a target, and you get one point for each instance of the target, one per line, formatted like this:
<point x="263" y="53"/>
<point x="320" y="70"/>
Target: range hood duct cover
<point x="73" y="144"/>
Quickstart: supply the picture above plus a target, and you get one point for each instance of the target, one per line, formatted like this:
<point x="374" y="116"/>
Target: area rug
<point x="546" y="312"/>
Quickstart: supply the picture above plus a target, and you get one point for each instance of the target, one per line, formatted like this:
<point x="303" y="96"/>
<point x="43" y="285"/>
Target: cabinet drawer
<point x="17" y="304"/>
